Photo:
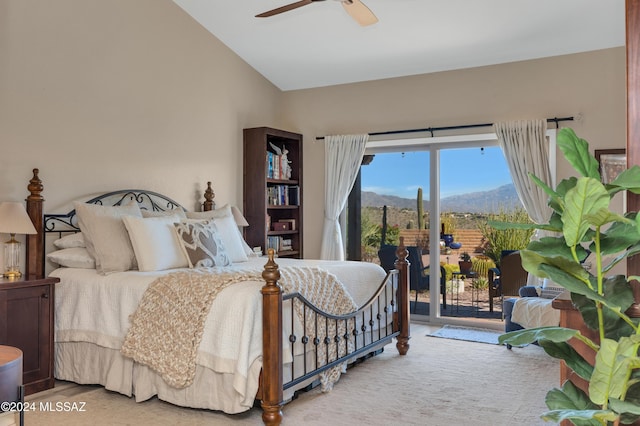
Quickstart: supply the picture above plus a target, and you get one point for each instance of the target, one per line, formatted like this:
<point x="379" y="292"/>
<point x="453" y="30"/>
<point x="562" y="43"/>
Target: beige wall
<point x="114" y="94"/>
<point x="101" y="95"/>
<point x="109" y="94"/>
<point x="591" y="85"/>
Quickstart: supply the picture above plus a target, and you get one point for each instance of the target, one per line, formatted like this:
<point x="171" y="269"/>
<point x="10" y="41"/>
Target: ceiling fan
<point x="358" y="11"/>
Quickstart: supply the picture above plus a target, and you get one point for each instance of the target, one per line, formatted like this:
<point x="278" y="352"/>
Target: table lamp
<point x="238" y="217"/>
<point x="14" y="220"/>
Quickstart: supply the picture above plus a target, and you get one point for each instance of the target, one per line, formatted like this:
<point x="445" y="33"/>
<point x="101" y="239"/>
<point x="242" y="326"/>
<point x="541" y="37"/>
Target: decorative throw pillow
<point x="106" y="237"/>
<point x="202" y="244"/>
<point x="155" y="242"/>
<point x="70" y="241"/>
<point x="228" y="229"/>
<point x="550" y="289"/>
<point x="74" y="257"/>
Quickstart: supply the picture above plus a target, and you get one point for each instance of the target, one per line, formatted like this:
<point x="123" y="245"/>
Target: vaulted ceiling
<point x="319" y="44"/>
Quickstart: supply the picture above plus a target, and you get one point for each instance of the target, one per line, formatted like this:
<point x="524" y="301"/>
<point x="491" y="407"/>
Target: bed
<point x="257" y="329"/>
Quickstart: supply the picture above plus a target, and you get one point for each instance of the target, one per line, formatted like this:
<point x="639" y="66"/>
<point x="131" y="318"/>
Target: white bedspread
<point x="95" y="308"/>
<point x="533" y="312"/>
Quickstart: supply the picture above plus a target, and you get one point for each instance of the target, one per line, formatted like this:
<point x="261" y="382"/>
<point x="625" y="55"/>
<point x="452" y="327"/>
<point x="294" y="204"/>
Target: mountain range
<point x="502" y="198"/>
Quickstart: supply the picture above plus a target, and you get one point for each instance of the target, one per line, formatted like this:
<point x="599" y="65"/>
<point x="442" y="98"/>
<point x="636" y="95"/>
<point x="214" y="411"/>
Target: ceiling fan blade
<point x="358" y="11"/>
<point x="285" y="8"/>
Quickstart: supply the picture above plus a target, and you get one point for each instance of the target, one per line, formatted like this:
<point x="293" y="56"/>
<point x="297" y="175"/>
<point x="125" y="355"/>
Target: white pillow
<point x="155" y="242"/>
<point x="162" y="213"/>
<point x="228" y="231"/>
<point x="550" y="289"/>
<point x="74" y="257"/>
<point x="202" y="244"/>
<point x="70" y="241"/>
<point x="106" y="237"/>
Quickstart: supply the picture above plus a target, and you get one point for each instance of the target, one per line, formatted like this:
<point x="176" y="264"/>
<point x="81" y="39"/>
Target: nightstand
<point x="26" y="322"/>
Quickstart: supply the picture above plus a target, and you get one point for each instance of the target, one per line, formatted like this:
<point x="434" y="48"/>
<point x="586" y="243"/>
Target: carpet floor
<point x="439" y="382"/>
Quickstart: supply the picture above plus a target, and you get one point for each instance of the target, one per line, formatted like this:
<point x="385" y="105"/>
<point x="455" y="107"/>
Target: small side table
<point x="27" y="323"/>
<point x="455" y="288"/>
<point x="11" y="389"/>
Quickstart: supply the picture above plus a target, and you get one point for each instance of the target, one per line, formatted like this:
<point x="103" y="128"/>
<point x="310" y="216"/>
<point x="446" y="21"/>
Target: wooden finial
<point x="35" y="187"/>
<point x="402" y="253"/>
<point x="208" y="198"/>
<point x="271" y="273"/>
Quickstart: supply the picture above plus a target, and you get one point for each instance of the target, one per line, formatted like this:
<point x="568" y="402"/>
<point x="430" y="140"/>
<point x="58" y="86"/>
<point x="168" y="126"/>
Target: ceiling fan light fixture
<point x="359" y="12"/>
<point x="355" y="8"/>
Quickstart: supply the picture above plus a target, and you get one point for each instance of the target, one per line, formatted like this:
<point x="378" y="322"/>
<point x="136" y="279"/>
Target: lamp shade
<point x="238" y="217"/>
<point x="14" y="219"/>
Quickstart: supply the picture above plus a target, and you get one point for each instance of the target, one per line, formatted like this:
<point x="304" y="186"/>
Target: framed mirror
<point x="611" y="163"/>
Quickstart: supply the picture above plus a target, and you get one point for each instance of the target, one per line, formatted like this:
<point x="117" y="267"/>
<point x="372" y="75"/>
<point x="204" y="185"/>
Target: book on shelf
<point x="286" y="244"/>
<point x="283" y="195"/>
<point x="273" y="243"/>
<point x="279" y="243"/>
<point x="294" y="195"/>
<point x="277" y="166"/>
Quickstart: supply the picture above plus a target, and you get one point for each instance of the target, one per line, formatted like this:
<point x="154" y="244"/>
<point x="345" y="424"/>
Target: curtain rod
<point x="464" y="126"/>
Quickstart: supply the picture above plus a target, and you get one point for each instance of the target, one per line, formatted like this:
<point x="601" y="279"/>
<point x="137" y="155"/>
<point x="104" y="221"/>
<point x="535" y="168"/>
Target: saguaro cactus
<point x="420" y="210"/>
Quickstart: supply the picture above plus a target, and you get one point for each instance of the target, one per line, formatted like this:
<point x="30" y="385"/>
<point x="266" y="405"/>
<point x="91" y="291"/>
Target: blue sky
<point x="462" y="171"/>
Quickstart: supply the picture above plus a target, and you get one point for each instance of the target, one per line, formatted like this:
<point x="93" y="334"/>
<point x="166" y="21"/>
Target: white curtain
<point x="343" y="156"/>
<point x="526" y="149"/>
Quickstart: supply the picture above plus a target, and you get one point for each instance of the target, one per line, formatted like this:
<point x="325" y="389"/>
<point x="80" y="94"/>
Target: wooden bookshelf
<point x="273" y="194"/>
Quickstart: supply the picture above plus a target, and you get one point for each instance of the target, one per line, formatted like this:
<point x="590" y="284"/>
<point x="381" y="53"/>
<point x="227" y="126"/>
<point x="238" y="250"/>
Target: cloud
<point x="382" y="190"/>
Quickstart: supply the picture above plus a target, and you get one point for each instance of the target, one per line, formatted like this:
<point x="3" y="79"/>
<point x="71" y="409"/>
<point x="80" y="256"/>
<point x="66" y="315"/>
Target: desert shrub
<point x="505" y="239"/>
<point x="481" y="266"/>
<point x="480" y="283"/>
<point x="448" y="222"/>
<point x="450" y="268"/>
<point x="371" y="236"/>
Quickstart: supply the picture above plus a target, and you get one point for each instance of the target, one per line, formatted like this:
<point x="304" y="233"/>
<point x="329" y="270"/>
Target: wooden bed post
<point x="35" y="243"/>
<point x="402" y="265"/>
<point x="208" y="198"/>
<point x="272" y="356"/>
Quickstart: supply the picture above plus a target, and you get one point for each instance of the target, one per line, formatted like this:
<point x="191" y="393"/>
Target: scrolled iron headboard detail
<point x="147" y="200"/>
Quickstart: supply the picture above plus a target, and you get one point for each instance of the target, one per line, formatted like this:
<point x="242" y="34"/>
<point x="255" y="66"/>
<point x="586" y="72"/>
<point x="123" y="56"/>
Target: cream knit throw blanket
<point x="168" y="324"/>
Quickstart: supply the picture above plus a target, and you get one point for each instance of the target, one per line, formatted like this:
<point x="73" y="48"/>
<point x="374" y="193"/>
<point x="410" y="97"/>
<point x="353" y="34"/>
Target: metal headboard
<point x="147" y="200"/>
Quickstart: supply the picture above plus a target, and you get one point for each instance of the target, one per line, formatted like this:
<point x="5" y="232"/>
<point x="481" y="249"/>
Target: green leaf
<point x="619" y="236"/>
<point x="576" y="151"/>
<point x="573" y="279"/>
<point x="635" y="249"/>
<point x="565" y="352"/>
<point x="582" y="417"/>
<point x="629" y="410"/>
<point x="625" y="406"/>
<point x="555" y="222"/>
<point x="587" y="198"/>
<point x="565" y="185"/>
<point x="555" y="199"/>
<point x="618" y="293"/>
<point x="530" y="335"/>
<point x="554" y="247"/>
<point x="613" y="363"/>
<point x="604" y="380"/>
<point x="602" y="217"/>
<point x="628" y="180"/>
<point x="569" y="397"/>
<point x="571" y="403"/>
<point x="628" y="415"/>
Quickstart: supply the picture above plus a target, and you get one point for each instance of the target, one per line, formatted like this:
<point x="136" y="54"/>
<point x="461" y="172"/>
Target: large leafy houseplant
<point x="583" y="223"/>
